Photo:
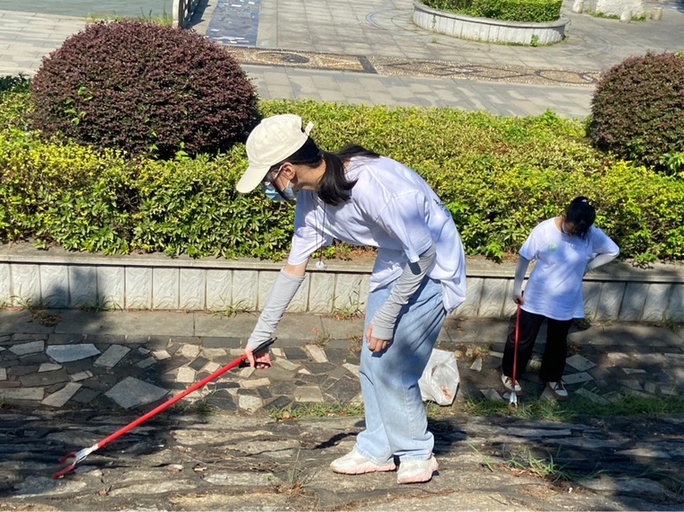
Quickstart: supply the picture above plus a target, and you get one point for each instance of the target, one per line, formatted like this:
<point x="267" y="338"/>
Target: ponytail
<point x="333" y="188"/>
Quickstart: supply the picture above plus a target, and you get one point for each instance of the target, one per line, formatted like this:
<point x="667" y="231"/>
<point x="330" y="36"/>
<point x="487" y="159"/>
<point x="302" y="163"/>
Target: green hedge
<point x="539" y="11"/>
<point x="498" y="176"/>
<point x="86" y="200"/>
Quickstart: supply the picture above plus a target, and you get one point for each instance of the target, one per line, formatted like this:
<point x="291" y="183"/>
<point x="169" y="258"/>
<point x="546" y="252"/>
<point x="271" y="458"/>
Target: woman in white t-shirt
<point x="564" y="248"/>
<point x="362" y="198"/>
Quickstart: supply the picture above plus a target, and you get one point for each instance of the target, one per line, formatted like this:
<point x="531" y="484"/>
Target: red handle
<point x="156" y="410"/>
<point x="515" y="351"/>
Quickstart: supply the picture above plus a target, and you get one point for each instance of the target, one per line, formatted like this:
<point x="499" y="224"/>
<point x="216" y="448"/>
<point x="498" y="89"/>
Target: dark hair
<point x="334" y="187"/>
<point x="581" y="214"/>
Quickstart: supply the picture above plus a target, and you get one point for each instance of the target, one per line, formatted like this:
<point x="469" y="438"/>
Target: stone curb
<point x="61" y="279"/>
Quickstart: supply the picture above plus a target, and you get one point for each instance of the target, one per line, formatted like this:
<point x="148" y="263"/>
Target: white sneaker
<point x="416" y="471"/>
<point x="508" y="384"/>
<point x="558" y="390"/>
<point x="356" y="464"/>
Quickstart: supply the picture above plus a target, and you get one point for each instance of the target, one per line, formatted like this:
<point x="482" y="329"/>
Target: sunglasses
<point x="271" y="176"/>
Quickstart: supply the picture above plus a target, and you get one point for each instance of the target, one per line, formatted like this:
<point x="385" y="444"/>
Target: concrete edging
<point x="67" y="280"/>
<point x="486" y="29"/>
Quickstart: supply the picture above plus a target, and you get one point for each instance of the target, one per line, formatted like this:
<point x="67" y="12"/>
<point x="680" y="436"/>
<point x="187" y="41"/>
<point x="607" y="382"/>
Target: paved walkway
<point x="69" y="379"/>
<point x="370" y="52"/>
<point x="128" y="360"/>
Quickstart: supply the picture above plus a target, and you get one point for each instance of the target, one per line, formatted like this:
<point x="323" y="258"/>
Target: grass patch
<point x="38" y="311"/>
<point x="577" y="407"/>
<point x="297" y="478"/>
<point x="240" y="306"/>
<point x="164" y="18"/>
<point x="435" y="411"/>
<point x="101" y="304"/>
<point x="351" y="310"/>
<point x="525" y="461"/>
<point x="316" y="411"/>
<point x="202" y="408"/>
<point x="321" y="337"/>
<point x="538" y="409"/>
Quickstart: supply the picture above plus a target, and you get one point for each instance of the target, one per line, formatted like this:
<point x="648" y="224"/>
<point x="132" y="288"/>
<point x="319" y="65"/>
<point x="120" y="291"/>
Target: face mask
<point x="270" y="191"/>
<point x="289" y="194"/>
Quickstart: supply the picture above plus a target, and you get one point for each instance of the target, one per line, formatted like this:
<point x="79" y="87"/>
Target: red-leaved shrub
<point x="143" y="88"/>
<point x="638" y="109"/>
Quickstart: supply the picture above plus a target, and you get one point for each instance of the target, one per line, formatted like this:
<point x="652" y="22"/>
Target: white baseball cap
<point x="272" y="141"/>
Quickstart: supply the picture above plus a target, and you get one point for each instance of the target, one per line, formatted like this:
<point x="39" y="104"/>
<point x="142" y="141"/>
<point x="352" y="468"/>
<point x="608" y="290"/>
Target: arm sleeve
<point x="281" y="295"/>
<point x="600" y="259"/>
<point x="520" y="269"/>
<point x="408" y="283"/>
<point x="605" y="249"/>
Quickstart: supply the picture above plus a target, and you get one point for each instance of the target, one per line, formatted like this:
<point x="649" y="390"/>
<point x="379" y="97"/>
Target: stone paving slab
<point x="139" y="370"/>
<point x="229" y="461"/>
<point x="385" y="29"/>
<point x="393" y="66"/>
<point x="501" y="98"/>
<point x="122" y="323"/>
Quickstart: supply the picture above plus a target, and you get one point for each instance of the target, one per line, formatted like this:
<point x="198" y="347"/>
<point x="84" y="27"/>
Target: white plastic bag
<point x="440" y="379"/>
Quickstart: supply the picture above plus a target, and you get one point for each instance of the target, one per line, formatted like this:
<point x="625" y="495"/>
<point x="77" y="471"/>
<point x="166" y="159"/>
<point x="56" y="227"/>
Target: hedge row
<point x="539" y="11"/>
<point x="498" y="176"/>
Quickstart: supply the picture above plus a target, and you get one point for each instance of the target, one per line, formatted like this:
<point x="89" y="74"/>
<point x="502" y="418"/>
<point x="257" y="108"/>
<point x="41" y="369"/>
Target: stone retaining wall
<point x="61" y="279"/>
<point x="486" y="29"/>
<point x="615" y="7"/>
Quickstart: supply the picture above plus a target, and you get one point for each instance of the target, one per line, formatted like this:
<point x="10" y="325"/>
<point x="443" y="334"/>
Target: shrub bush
<point x="510" y="10"/>
<point x="638" y="109"/>
<point x="14" y="83"/>
<point x="498" y="176"/>
<point x="190" y="206"/>
<point x="15" y="102"/>
<point x="143" y="88"/>
<point x="65" y="194"/>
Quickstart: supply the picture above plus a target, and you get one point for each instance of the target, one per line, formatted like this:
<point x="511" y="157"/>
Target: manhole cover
<point x="292" y="58"/>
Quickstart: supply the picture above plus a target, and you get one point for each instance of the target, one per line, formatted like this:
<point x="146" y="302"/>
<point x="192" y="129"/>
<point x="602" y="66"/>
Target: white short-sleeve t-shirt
<point x="554" y="288"/>
<point x="391" y="208"/>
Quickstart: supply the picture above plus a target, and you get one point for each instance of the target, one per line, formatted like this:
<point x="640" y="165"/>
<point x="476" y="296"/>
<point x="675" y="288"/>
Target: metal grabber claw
<point x="73" y="458"/>
<point x="513" y="400"/>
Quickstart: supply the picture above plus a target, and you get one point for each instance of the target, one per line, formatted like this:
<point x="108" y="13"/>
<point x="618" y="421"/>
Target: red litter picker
<point x="513" y="399"/>
<point x="73" y="458"/>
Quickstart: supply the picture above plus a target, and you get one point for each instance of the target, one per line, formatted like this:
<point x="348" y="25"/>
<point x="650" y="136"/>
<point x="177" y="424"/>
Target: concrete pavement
<point x="369" y="52"/>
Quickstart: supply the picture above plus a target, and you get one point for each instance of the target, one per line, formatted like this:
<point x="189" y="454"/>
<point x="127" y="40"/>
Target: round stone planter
<point x="486" y="29"/>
